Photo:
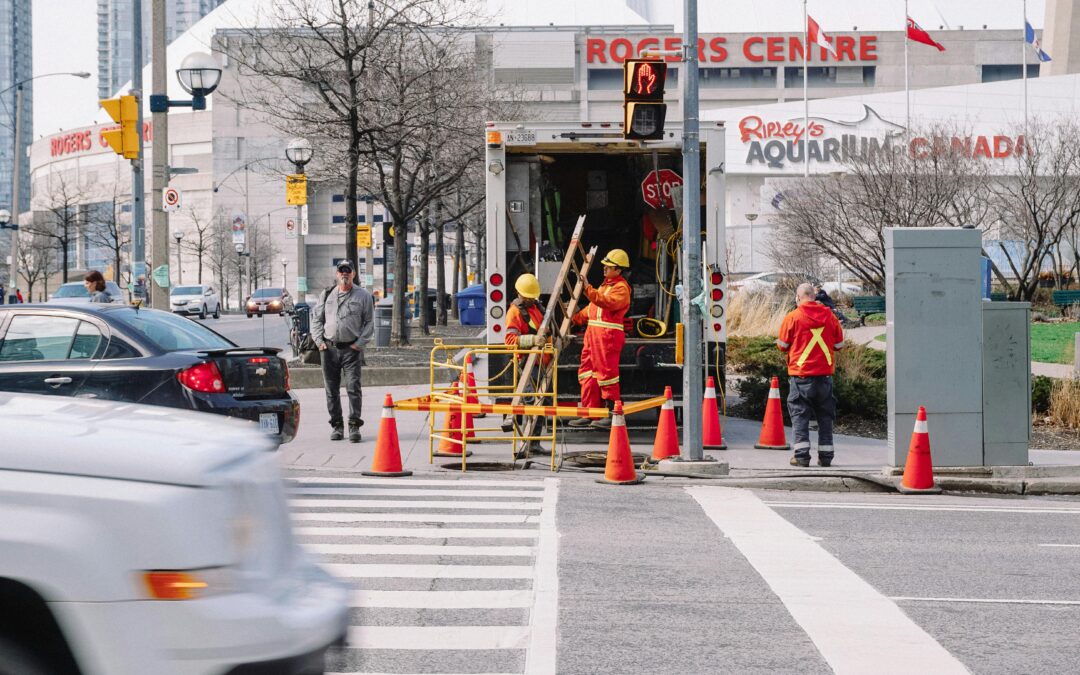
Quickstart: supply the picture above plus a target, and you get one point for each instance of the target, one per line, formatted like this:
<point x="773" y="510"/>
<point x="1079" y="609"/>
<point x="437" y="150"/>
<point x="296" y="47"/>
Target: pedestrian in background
<point x="342" y="325"/>
<point x="810" y="335"/>
<point x="95" y="285"/>
<point x="3" y="294"/>
<point x="18" y="296"/>
<point x="821" y="296"/>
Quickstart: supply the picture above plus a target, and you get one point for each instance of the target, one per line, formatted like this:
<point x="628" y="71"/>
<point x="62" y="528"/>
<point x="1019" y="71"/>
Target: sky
<point x="65" y="32"/>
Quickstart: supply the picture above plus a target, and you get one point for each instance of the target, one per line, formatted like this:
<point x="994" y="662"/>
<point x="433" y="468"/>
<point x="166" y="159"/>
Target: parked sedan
<point x="269" y="301"/>
<point x="199" y="299"/>
<point x="75" y="293"/>
<point x="770" y="281"/>
<point x="123" y="353"/>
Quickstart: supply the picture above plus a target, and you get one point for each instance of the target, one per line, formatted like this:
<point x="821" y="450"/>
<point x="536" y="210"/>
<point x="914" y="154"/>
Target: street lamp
<point x="751" y="217"/>
<point x="300" y="152"/>
<point x="199" y="75"/>
<point x="178" y="235"/>
<point x="284" y="272"/>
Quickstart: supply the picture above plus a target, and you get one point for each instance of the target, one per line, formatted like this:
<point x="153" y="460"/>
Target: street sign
<point x="290" y="229"/>
<point x="659" y="196"/>
<point x="303" y="221"/>
<point x="239" y="229"/>
<point x="161" y="276"/>
<point x="296" y="189"/>
<point x="363" y="236"/>
<point x="170" y="199"/>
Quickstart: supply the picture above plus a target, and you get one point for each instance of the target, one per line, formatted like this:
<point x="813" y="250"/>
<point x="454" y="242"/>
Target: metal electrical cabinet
<point x="1006" y="383"/>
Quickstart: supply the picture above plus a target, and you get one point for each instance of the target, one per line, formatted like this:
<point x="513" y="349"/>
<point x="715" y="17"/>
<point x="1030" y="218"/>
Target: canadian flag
<point x="916" y="33"/>
<point x="815" y="35"/>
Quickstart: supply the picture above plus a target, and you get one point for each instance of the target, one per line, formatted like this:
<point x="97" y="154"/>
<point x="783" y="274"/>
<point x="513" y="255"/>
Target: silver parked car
<point x="199" y="299"/>
<point x="74" y="293"/>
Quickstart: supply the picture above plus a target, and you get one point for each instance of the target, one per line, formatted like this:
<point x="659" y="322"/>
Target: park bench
<point x="1065" y="299"/>
<point x="998" y="297"/>
<point x="868" y="304"/>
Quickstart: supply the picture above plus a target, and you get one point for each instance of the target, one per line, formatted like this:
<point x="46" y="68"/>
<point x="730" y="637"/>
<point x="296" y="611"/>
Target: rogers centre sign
<point x="78" y="142"/>
<point x="717" y="49"/>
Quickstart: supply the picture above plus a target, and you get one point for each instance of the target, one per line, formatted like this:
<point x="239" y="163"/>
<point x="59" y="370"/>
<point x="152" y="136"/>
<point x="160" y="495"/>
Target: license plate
<point x="268" y="422"/>
<point x="520" y="137"/>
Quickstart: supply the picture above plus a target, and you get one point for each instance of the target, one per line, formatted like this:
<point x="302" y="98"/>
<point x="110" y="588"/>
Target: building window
<point x="1000" y="73"/>
<point x="831" y="76"/>
<point x="736" y="78"/>
<point x="337" y="198"/>
<point x="338" y="219"/>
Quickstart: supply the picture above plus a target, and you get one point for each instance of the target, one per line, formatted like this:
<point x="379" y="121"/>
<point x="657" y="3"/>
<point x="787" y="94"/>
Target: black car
<point x="123" y="353"/>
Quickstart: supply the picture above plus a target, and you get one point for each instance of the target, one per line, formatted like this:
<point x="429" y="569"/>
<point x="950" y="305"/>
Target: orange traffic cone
<point x="667" y="433"/>
<point x="470" y="384"/>
<point x="711" y="435"/>
<point x="772" y="428"/>
<point x="619" y="469"/>
<point x="919" y="470"/>
<point x="387" y="458"/>
<point x="450" y="444"/>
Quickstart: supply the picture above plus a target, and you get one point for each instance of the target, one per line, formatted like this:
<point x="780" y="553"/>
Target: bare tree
<point x="199" y="238"/>
<point x="58" y="217"/>
<point x="105" y="228"/>
<point x="220" y="254"/>
<point x="37" y="262"/>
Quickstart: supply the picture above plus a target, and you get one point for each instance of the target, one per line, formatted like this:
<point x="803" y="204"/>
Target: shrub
<point x="1065" y="403"/>
<point x="755" y="314"/>
<point x="875" y="319"/>
<point x="1041" y="387"/>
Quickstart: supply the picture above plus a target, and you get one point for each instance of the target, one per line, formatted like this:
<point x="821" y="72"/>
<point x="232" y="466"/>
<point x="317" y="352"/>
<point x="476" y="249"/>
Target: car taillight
<point x="259" y="359"/>
<point x="204" y="377"/>
<point x="288" y="384"/>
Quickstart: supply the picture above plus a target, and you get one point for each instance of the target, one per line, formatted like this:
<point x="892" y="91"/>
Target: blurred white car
<point x="74" y="292"/>
<point x="198" y="299"/>
<point x="768" y="281"/>
<point x="142" y="539"/>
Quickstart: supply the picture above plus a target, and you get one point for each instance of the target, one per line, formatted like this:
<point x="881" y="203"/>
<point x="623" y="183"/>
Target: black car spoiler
<point x="269" y="351"/>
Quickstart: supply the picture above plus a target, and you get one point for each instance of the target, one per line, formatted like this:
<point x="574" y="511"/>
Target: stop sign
<point x="656" y="195"/>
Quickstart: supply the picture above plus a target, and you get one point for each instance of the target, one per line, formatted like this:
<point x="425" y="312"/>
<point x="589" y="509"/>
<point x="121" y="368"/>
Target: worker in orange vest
<point x="524" y="317"/>
<point x="810" y="335"/>
<point x="604" y="338"/>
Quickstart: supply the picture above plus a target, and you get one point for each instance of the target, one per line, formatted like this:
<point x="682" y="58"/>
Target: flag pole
<point x="1023" y="65"/>
<point x="805" y="93"/>
<point x="907" y="88"/>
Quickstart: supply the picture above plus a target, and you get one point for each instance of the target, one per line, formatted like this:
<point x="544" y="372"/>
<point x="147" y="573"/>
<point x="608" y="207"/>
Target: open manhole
<point x="481" y="466"/>
<point x="595" y="459"/>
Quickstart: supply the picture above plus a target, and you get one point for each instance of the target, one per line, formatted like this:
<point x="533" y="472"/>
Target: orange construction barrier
<point x="919" y="469"/>
<point x="667" y="432"/>
<point x="619" y="469"/>
<point x="387" y="458"/>
<point x="712" y="437"/>
<point x="470" y="385"/>
<point x="450" y="445"/>
<point x="772" y="435"/>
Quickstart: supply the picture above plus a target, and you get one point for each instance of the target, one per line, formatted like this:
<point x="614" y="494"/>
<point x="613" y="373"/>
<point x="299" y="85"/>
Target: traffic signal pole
<point x="159" y="232"/>
<point x="138" y="195"/>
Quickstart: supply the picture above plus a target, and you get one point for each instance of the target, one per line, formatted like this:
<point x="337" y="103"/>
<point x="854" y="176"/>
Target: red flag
<point x="814" y="35"/>
<point x="916" y="33"/>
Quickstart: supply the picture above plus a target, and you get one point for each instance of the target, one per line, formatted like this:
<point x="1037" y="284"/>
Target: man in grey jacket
<point x="341" y="325"/>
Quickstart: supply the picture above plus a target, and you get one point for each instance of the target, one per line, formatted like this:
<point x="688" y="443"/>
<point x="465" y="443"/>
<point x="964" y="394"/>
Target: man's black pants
<point x="338" y="358"/>
<point x="812" y="397"/>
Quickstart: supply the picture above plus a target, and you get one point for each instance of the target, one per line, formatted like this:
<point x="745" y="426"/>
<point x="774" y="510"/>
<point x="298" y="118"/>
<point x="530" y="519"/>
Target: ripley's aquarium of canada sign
<point x="778" y="144"/>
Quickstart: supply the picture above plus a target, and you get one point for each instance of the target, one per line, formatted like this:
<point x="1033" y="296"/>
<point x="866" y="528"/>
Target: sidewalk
<point x="857" y="459"/>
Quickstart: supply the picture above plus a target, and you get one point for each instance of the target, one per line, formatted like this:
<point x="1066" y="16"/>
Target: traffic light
<point x="644" y="109"/>
<point x="124" y="111"/>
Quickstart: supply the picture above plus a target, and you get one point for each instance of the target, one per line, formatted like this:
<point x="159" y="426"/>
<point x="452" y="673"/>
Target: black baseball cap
<point x="345" y="266"/>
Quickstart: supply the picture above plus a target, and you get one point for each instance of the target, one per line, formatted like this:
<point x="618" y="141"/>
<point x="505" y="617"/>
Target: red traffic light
<point x="644" y="80"/>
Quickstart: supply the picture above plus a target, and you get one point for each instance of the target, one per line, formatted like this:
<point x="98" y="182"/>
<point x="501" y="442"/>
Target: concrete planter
<point x="311" y="377"/>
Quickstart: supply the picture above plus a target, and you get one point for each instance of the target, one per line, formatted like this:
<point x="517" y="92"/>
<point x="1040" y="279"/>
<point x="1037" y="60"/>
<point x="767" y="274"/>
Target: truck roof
<point x="523" y="136"/>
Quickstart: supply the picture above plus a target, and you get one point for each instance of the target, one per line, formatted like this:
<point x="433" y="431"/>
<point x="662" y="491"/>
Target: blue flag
<point x="1029" y="37"/>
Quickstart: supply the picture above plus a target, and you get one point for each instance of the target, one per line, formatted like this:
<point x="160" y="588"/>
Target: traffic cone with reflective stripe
<point x="772" y="427"/>
<point x="667" y="432"/>
<point x="619" y="469"/>
<point x="712" y="437"/>
<point x="387" y="458"/>
<point x="470" y="385"/>
<point x="918" y="469"/>
<point x="450" y="444"/>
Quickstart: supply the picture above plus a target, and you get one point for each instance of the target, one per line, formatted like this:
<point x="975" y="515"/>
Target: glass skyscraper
<point x="16" y="65"/>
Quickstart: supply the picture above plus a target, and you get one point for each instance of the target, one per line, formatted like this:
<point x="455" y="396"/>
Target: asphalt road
<point x="525" y="572"/>
<point x="265" y="331"/>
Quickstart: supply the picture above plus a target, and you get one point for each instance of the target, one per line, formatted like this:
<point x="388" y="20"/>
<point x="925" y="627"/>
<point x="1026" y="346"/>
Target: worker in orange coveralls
<point x="524" y="317"/>
<point x="604" y="338"/>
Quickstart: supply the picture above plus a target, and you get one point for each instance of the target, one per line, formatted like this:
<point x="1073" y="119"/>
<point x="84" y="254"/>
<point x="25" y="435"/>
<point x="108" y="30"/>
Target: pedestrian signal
<point x="125" y="112"/>
<point x="644" y="110"/>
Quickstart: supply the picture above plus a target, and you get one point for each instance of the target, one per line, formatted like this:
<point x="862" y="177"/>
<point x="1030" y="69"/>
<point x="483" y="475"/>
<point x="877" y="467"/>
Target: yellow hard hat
<point x="616" y="257"/>
<point x="528" y="285"/>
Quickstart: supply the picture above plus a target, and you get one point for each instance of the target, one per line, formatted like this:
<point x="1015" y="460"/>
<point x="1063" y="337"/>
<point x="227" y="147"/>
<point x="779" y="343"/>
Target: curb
<point x="312" y="378"/>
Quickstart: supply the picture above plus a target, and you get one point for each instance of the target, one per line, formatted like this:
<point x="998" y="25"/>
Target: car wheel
<point x="249" y="315"/>
<point x="217" y="311"/>
<point x="15" y="659"/>
<point x="202" y="312"/>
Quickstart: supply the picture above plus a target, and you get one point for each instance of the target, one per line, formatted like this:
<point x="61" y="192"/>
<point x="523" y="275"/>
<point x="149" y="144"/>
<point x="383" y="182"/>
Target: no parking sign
<point x="170" y="199"/>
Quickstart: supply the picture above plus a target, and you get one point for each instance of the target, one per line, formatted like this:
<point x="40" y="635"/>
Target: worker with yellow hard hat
<point x="525" y="314"/>
<point x="604" y="337"/>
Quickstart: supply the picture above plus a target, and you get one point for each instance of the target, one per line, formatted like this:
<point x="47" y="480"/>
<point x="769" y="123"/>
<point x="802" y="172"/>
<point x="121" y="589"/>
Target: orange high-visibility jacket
<point x="520" y="321"/>
<point x="604" y="334"/>
<point x="810" y="334"/>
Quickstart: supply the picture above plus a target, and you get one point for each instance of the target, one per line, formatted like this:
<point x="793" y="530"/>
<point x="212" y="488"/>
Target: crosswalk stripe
<point x="391" y="571"/>
<point x="417" y="492"/>
<point x="418" y="504"/>
<point x="438" y="637"/>
<point x="331" y="517"/>
<point x="420" y="532"/>
<point x="443" y="599"/>
<point x="418" y="549"/>
<point x="975" y="508"/>
<point x="522" y="484"/>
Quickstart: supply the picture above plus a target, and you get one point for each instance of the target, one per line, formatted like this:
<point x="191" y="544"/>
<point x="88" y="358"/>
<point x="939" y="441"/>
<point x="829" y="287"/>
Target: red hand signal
<point x="646" y="79"/>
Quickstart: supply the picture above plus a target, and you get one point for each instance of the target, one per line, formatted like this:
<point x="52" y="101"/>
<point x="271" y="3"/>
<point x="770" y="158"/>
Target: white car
<point x="140" y="539"/>
<point x="768" y="281"/>
<point x="74" y="293"/>
<point x="199" y="299"/>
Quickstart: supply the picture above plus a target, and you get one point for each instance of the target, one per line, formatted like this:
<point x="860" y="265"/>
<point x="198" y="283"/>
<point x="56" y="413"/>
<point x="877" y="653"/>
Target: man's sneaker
<point x="337" y="434"/>
<point x="800" y="461"/>
<point x="824" y="461"/>
<point x="579" y="422"/>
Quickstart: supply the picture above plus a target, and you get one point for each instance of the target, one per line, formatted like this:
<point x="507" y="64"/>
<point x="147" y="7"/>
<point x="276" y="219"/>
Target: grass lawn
<point x="1053" y="342"/>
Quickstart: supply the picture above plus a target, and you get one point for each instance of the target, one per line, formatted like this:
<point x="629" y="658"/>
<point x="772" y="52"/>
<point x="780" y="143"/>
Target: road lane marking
<point x="540" y="659"/>
<point x="408" y="492"/>
<point x="914" y="507"/>
<point x="505" y="519"/>
<point x="1061" y="545"/>
<point x="438" y="637"/>
<point x="419" y="504"/>
<point x="856" y="628"/>
<point x="419" y="532"/>
<point x="419" y="549"/>
<point x="991" y="601"/>
<point x="391" y="571"/>
<point x="443" y="599"/>
<point x="464" y="482"/>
